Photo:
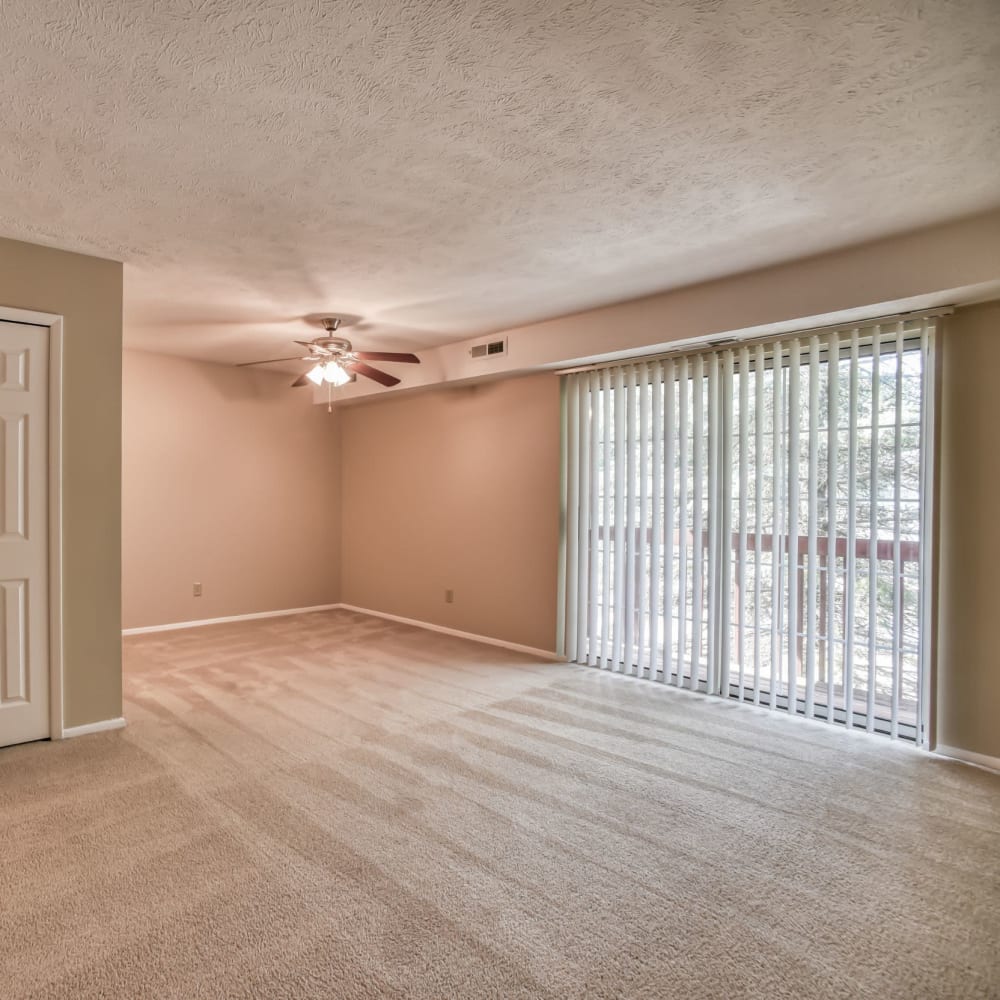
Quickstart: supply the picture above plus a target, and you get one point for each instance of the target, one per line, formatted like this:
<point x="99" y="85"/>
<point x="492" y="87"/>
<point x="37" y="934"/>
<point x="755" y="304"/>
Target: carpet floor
<point x="331" y="805"/>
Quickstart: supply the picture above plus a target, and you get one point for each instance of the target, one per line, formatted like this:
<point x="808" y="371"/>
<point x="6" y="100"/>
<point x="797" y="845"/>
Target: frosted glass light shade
<point x="330" y="372"/>
<point x="335" y="375"/>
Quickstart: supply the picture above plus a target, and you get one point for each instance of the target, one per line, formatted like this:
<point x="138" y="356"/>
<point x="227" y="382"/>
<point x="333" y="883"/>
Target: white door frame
<point x="55" y="328"/>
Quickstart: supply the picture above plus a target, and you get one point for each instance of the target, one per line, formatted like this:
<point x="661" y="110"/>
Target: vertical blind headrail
<point x="912" y="326"/>
<point x="775" y="350"/>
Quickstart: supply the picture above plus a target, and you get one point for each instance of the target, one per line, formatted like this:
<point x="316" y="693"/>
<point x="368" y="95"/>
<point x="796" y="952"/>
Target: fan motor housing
<point x="336" y="345"/>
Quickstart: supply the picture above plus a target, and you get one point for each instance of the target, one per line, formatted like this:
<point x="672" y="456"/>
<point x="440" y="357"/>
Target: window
<point x="753" y="522"/>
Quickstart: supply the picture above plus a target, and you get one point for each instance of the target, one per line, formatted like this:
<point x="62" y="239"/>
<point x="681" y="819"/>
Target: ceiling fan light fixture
<point x="330" y="372"/>
<point x="334" y="362"/>
<point x="335" y="374"/>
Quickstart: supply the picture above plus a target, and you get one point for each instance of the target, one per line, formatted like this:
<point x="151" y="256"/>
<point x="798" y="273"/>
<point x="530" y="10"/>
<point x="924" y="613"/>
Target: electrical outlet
<point x="197" y="590"/>
<point x="449" y="597"/>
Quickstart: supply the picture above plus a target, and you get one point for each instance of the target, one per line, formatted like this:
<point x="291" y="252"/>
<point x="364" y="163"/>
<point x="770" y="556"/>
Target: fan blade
<point x="301" y="380"/>
<point x="409" y="359"/>
<point x="360" y="368"/>
<point x="270" y="361"/>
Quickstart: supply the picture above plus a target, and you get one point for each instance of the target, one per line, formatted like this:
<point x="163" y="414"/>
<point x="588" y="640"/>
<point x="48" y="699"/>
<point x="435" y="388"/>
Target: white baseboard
<point x="544" y="654"/>
<point x="472" y="636"/>
<point x="968" y="757"/>
<point x="228" y="618"/>
<point x="93" y="727"/>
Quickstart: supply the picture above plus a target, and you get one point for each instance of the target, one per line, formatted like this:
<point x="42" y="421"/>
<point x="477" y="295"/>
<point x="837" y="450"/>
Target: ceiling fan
<point x="334" y="361"/>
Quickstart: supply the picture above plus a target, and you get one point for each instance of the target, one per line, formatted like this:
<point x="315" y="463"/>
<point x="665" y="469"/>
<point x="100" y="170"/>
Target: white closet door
<point x="24" y="660"/>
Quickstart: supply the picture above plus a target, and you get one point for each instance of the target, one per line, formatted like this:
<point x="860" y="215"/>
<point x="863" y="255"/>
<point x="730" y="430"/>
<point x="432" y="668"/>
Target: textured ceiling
<point x="450" y="167"/>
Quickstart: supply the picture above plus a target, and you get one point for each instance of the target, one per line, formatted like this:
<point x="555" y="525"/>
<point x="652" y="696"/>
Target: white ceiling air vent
<point x="490" y="349"/>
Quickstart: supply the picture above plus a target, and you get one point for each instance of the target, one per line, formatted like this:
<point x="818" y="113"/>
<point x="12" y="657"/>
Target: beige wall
<point x="87" y="293"/>
<point x="968" y="667"/>
<point x="231" y="480"/>
<point x="456" y="488"/>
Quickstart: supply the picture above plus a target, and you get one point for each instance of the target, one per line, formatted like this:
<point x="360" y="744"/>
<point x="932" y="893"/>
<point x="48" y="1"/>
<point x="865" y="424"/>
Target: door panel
<point x="24" y="661"/>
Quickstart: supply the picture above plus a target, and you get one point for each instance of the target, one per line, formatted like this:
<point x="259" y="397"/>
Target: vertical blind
<point x="753" y="522"/>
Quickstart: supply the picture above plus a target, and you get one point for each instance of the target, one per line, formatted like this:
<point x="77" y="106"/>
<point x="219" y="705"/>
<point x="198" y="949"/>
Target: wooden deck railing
<point x="864" y="548"/>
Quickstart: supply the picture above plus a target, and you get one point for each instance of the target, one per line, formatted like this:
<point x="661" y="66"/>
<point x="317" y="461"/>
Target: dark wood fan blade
<point x="301" y="380"/>
<point x="409" y="359"/>
<point x="360" y="368"/>
<point x="270" y="361"/>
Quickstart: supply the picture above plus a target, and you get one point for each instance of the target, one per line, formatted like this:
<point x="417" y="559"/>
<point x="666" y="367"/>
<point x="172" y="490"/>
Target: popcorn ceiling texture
<point x="448" y="168"/>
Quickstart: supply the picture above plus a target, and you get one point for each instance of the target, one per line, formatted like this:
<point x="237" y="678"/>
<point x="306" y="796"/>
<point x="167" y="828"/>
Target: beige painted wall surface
<point x="968" y="709"/>
<point x="87" y="292"/>
<point x="231" y="479"/>
<point x="457" y="489"/>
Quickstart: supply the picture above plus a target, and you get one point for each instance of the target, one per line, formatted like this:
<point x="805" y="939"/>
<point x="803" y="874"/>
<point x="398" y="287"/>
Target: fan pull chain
<point x="329" y="398"/>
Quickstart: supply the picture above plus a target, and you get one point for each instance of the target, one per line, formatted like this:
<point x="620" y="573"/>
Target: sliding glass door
<point x="753" y="522"/>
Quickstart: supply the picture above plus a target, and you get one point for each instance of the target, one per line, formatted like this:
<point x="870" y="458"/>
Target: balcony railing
<point x="885" y="672"/>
